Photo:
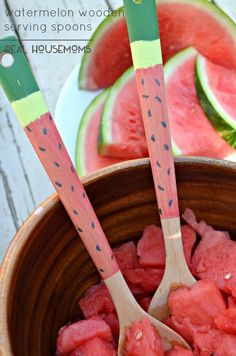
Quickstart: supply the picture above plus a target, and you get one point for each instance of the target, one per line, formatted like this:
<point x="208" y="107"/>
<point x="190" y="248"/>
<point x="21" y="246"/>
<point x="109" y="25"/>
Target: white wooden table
<point x="23" y="183"/>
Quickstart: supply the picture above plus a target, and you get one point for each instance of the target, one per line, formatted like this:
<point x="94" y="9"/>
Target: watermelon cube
<point x="178" y="351"/>
<point x="142" y="339"/>
<point x="112" y="320"/>
<point x="184" y="328"/>
<point x="71" y="337"/>
<point x="95" y="347"/>
<point x="143" y="280"/>
<point x="126" y="256"/>
<point x="215" y="342"/>
<point x="97" y="300"/>
<point x="226" y="321"/>
<point x="200" y="304"/>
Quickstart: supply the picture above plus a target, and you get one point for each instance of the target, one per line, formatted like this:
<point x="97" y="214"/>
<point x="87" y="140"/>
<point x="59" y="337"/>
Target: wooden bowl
<point x="46" y="269"/>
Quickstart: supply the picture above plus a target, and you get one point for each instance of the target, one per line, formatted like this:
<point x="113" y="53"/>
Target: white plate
<point x="70" y="107"/>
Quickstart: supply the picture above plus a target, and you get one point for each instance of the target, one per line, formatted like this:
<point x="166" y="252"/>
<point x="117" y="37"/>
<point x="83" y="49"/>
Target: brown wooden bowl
<point x="46" y="269"/>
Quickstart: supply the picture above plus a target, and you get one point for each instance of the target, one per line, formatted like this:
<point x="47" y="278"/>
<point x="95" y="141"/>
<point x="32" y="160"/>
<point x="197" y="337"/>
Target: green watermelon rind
<point x="94" y="40"/>
<point x="81" y="136"/>
<point x="219" y="118"/>
<point x="105" y="132"/>
<point x="212" y="9"/>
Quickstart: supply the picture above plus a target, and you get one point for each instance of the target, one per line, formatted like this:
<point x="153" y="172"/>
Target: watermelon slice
<point x="151" y="249"/>
<point x="182" y="23"/>
<point x="72" y="336"/>
<point x="87" y="157"/>
<point x="142" y="339"/>
<point x="226" y="321"/>
<point x="216" y="88"/>
<point x="122" y="133"/>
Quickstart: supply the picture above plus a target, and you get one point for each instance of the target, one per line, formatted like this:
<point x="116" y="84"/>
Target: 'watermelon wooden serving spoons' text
<point x="23" y="92"/>
<point x="147" y="59"/>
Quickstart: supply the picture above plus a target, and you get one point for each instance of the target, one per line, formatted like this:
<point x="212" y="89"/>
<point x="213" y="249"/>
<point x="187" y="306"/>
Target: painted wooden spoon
<point x="23" y="92"/>
<point x="147" y="59"/>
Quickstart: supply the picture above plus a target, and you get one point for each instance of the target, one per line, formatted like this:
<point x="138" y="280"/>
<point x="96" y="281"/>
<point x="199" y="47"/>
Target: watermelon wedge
<point x="183" y="23"/>
<point x="87" y="157"/>
<point x="216" y="88"/>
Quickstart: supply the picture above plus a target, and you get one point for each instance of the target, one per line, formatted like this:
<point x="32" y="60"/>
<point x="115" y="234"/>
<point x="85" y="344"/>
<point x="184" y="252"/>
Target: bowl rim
<point x="18" y="242"/>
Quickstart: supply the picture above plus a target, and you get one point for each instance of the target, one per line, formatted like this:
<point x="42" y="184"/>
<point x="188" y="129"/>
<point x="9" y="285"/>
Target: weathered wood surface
<point x="23" y="183"/>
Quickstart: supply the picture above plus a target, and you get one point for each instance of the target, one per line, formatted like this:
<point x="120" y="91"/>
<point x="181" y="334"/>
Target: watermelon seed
<point x="158" y="82"/>
<point x="75" y="212"/>
<point x="98" y="248"/>
<point x="158" y="99"/>
<point x="79" y="229"/>
<point x="56" y="164"/>
<point x="142" y="81"/>
<point x="160" y="211"/>
<point x="28" y="129"/>
<point x="112" y="257"/>
<point x="170" y="203"/>
<point x="153" y="138"/>
<point x="145" y="96"/>
<point x="139" y="335"/>
<point x="166" y="147"/>
<point x="59" y="146"/>
<point x="72" y="169"/>
<point x="160" y="188"/>
<point x="158" y="163"/>
<point x="42" y="149"/>
<point x="168" y="171"/>
<point x="93" y="225"/>
<point x="149" y="113"/>
<point x="84" y="195"/>
<point x="72" y="188"/>
<point x="45" y="131"/>
<point x="227" y="276"/>
<point x="101" y="270"/>
<point x="164" y="124"/>
<point x="58" y="184"/>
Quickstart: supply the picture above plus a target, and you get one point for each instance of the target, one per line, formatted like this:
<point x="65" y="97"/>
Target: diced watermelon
<point x="72" y="336"/>
<point x="200" y="304"/>
<point x="97" y="300"/>
<point x="231" y="302"/>
<point x="126" y="256"/>
<point x="143" y="280"/>
<point x="142" y="339"/>
<point x="178" y="351"/>
<point x="226" y="321"/>
<point x="215" y="342"/>
<point x="151" y="249"/>
<point x="112" y="320"/>
<point x="145" y="302"/>
<point x="95" y="347"/>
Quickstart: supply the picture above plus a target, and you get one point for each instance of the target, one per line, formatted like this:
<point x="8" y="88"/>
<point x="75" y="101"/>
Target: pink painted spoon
<point x="147" y="58"/>
<point x="23" y="92"/>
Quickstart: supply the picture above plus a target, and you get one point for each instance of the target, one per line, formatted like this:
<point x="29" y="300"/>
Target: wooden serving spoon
<point x="23" y="92"/>
<point x="147" y="59"/>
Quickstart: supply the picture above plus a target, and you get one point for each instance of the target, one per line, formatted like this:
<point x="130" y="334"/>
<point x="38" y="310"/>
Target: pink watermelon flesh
<point x="97" y="300"/>
<point x="126" y="256"/>
<point x="215" y="342"/>
<point x="231" y="302"/>
<point x="95" y="347"/>
<point x="191" y="130"/>
<point x="151" y="249"/>
<point x="226" y="321"/>
<point x="198" y="305"/>
<point x="195" y="24"/>
<point x="222" y="82"/>
<point x="93" y="160"/>
<point x="70" y="337"/>
<point x="145" y="302"/>
<point x="178" y="351"/>
<point x="142" y="339"/>
<point x="112" y="320"/>
<point x="143" y="280"/>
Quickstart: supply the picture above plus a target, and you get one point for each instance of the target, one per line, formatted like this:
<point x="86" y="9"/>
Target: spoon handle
<point x="147" y="60"/>
<point x="26" y="99"/>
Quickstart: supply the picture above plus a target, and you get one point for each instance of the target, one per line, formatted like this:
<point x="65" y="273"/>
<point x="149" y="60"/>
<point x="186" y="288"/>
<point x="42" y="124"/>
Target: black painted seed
<point x="112" y="257"/>
<point x="93" y="225"/>
<point x="80" y="230"/>
<point x="166" y="147"/>
<point x="28" y="129"/>
<point x="84" y="195"/>
<point x="160" y="211"/>
<point x="45" y="131"/>
<point x="72" y="169"/>
<point x="168" y="171"/>
<point x="98" y="248"/>
<point x="142" y="81"/>
<point x="58" y="184"/>
<point x="170" y="203"/>
<point x="59" y="146"/>
<point x="75" y="212"/>
<point x="153" y="138"/>
<point x="158" y="99"/>
<point x="158" y="82"/>
<point x="72" y="188"/>
<point x="149" y="113"/>
<point x="101" y="270"/>
<point x="164" y="124"/>
<point x="145" y="96"/>
<point x="160" y="188"/>
<point x="56" y="164"/>
<point x="42" y="149"/>
<point x="158" y="163"/>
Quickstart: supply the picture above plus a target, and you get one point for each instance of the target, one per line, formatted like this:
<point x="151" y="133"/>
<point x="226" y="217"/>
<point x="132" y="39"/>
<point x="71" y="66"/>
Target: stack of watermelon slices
<point x="205" y="315"/>
<point x="199" y="46"/>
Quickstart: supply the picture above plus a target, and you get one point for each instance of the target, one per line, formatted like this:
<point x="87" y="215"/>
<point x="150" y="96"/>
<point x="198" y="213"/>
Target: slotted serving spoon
<point x="147" y="59"/>
<point x="23" y="92"/>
